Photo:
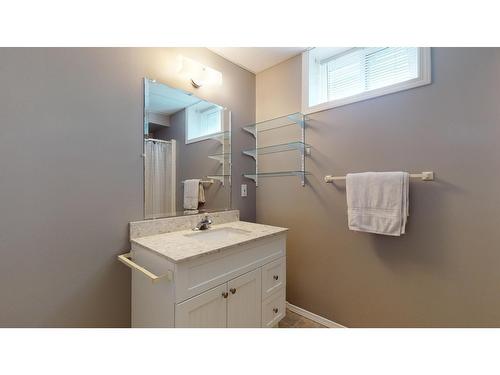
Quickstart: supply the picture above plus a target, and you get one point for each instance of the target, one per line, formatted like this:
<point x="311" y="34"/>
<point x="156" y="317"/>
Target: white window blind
<point x="387" y="66"/>
<point x="344" y="75"/>
<point x="202" y="120"/>
<point x="364" y="69"/>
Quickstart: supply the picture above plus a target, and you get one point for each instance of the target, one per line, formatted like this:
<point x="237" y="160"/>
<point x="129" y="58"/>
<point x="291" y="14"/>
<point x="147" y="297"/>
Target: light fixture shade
<point x="198" y="74"/>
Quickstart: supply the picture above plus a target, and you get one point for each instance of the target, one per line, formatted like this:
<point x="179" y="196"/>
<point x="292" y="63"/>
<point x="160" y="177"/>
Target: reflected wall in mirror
<point x="187" y="153"/>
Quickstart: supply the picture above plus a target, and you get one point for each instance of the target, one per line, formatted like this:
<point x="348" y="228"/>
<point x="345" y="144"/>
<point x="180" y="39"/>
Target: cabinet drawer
<point x="273" y="277"/>
<point x="273" y="309"/>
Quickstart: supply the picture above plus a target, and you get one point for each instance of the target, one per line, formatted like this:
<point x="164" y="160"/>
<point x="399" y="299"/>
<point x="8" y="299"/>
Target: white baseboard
<point x="315" y="318"/>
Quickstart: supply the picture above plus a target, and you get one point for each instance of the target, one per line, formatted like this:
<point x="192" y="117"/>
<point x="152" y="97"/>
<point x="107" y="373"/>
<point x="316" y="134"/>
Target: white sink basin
<point x="226" y="234"/>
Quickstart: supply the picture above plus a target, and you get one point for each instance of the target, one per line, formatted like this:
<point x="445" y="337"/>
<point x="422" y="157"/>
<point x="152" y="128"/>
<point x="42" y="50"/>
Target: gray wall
<point x="444" y="271"/>
<point x="71" y="175"/>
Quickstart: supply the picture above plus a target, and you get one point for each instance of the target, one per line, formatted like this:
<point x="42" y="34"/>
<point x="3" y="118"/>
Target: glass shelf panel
<point x="275" y="123"/>
<point x="221" y="157"/>
<point x="299" y="146"/>
<point x="256" y="176"/>
<point x="220" y="137"/>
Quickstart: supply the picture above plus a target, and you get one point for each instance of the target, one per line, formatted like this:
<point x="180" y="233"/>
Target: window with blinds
<point x="202" y="120"/>
<point x="339" y="76"/>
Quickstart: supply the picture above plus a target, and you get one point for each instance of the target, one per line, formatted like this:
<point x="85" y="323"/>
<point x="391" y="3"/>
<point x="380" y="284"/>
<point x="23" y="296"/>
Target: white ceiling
<point x="257" y="59"/>
<point x="167" y="100"/>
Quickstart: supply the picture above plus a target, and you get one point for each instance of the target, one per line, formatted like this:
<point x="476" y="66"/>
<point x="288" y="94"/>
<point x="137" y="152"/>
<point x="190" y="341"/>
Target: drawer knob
<point x="275" y="277"/>
<point x="275" y="310"/>
<point x="233" y="290"/>
<point x="225" y="294"/>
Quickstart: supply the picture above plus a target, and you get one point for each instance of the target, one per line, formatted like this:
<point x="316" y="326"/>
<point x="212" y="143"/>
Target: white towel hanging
<point x="378" y="202"/>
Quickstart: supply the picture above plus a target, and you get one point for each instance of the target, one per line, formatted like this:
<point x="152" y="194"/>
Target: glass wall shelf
<point x="291" y="146"/>
<point x="255" y="176"/>
<point x="220" y="137"/>
<point x="297" y="119"/>
<point x="275" y="123"/>
<point x="221" y="157"/>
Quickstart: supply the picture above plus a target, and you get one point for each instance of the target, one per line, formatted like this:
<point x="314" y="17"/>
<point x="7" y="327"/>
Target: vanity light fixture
<point x="199" y="75"/>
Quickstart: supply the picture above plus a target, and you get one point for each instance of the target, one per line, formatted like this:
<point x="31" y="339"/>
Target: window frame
<point x="423" y="78"/>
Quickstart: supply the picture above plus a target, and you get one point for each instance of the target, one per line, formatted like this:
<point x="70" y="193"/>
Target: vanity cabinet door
<point x="206" y="310"/>
<point x="244" y="302"/>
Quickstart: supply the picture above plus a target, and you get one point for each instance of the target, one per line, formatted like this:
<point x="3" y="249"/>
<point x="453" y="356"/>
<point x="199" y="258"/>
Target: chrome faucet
<point x="203" y="224"/>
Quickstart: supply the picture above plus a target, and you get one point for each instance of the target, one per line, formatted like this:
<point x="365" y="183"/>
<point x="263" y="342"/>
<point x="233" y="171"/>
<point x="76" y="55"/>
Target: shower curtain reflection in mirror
<point x="159" y="178"/>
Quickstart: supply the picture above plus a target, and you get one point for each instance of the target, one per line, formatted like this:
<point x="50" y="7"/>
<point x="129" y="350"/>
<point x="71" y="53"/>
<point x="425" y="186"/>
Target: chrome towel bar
<point x="425" y="176"/>
<point x="125" y="259"/>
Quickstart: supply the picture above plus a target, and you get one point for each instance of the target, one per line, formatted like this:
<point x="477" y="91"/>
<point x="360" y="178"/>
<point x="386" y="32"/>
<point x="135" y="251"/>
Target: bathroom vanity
<point x="231" y="275"/>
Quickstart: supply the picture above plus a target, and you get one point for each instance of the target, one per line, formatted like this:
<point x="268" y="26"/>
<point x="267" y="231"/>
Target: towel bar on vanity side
<point x="203" y="182"/>
<point x="125" y="259"/>
<point x="425" y="176"/>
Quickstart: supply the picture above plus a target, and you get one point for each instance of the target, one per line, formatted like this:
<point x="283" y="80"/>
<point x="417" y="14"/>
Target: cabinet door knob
<point x="224" y="294"/>
<point x="275" y="310"/>
<point x="275" y="277"/>
<point x="233" y="290"/>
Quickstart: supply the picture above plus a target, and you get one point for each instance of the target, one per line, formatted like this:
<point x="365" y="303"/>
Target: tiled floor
<point x="293" y="320"/>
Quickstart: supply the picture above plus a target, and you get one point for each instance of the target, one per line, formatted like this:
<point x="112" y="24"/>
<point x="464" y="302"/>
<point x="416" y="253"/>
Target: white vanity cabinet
<point x="239" y="286"/>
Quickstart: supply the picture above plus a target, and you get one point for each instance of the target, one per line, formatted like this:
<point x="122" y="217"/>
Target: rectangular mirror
<point x="187" y="153"/>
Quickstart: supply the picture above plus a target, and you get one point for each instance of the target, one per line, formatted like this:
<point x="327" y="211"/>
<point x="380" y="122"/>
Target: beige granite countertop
<point x="178" y="247"/>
